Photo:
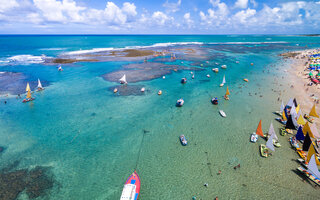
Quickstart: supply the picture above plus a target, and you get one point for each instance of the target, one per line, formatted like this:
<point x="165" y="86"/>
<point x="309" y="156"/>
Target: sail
<point x="39" y="84"/>
<point x="313" y="111"/>
<point x="123" y="79"/>
<point x="290" y="103"/>
<point x="306" y="129"/>
<point x="28" y="87"/>
<point x="284" y="116"/>
<point x="259" y="130"/>
<point x="314" y="131"/>
<point x="293" y="110"/>
<point x="29" y="95"/>
<point x="281" y="107"/>
<point x="271" y="131"/>
<point x="298" y="108"/>
<point x="294" y="121"/>
<point x="299" y="134"/>
<point x="269" y="143"/>
<point x="224" y="80"/>
<point x="306" y="143"/>
<point x="312" y="167"/>
<point x="295" y="102"/>
<point x="289" y="124"/>
<point x="301" y="120"/>
<point x="312" y="152"/>
<point x="227" y="92"/>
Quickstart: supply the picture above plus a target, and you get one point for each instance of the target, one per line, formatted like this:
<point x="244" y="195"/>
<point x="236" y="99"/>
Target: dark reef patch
<point x="35" y="182"/>
<point x="144" y="71"/>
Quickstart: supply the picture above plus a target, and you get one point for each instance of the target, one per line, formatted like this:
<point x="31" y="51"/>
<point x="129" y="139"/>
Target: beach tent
<point x="312" y="152"/>
<point x="299" y="134"/>
<point x="307" y="142"/>
<point x="313" y="111"/>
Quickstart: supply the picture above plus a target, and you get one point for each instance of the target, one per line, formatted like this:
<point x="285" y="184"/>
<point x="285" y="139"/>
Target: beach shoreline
<point x="299" y="80"/>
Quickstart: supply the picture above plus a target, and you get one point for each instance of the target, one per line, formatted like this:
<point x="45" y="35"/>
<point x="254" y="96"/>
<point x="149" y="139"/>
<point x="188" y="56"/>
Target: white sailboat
<point x="269" y="143"/>
<point x="223" y="81"/>
<point x="123" y="80"/>
<point x="39" y="86"/>
<point x="275" y="138"/>
<point x="312" y="167"/>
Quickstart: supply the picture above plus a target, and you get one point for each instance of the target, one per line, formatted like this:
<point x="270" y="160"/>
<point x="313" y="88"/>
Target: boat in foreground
<point x="264" y="150"/>
<point x="131" y="188"/>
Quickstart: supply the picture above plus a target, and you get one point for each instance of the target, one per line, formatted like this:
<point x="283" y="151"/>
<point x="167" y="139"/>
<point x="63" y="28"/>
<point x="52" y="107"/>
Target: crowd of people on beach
<point x="313" y="66"/>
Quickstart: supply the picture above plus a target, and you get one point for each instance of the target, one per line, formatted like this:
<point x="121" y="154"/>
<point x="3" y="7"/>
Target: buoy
<point x="143" y="89"/>
<point x="208" y="75"/>
<point x="160" y="92"/>
<point x="246" y="80"/>
<point x="115" y="90"/>
<point x="163" y="77"/>
<point x="251" y="63"/>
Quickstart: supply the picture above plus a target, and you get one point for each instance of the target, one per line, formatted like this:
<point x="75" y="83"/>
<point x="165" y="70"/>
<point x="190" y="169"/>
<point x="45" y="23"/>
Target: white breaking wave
<point x="167" y="44"/>
<point x="52" y="49"/>
<point x="26" y="59"/>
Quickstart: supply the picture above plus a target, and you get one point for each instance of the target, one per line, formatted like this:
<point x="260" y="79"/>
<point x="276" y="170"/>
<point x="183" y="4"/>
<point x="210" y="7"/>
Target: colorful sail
<point x="299" y="134"/>
<point x="307" y="142"/>
<point x="312" y="167"/>
<point x="312" y="152"/>
<point x="269" y="143"/>
<point x="313" y="111"/>
<point x="227" y="92"/>
<point x="306" y="129"/>
<point x="295" y="102"/>
<point x="259" y="130"/>
<point x="28" y="87"/>
<point x="301" y="120"/>
<point x="284" y="116"/>
<point x="29" y="94"/>
<point x="289" y="124"/>
<point x="298" y="108"/>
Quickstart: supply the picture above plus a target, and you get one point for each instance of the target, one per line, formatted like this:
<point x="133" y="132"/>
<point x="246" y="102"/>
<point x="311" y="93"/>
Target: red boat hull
<point x="134" y="179"/>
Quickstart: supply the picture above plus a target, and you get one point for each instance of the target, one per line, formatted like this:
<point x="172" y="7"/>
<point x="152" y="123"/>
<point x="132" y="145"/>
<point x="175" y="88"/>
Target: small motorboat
<point x="180" y="103"/>
<point x="183" y="80"/>
<point x="246" y="80"/>
<point x="163" y="77"/>
<point x="115" y="90"/>
<point x="142" y="89"/>
<point x="131" y="188"/>
<point x="223" y="114"/>
<point x="276" y="143"/>
<point x="224" y="66"/>
<point x="264" y="150"/>
<point x="183" y="140"/>
<point x="254" y="138"/>
<point x="192" y="76"/>
<point x="214" y="101"/>
<point x="160" y="92"/>
<point x="208" y="75"/>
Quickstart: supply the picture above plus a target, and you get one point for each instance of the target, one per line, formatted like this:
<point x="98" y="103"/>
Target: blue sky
<point x="159" y="17"/>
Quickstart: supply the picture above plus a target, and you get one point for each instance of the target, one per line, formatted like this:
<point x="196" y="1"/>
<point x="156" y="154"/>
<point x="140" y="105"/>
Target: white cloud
<point x="188" y="20"/>
<point x="245" y="16"/>
<point x="6" y="5"/>
<point x="216" y="16"/>
<point x="160" y="18"/>
<point x="172" y="7"/>
<point x="241" y="4"/>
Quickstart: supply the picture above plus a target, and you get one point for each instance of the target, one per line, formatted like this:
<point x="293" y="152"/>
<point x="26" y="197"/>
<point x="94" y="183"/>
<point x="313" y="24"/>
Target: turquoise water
<point x="91" y="138"/>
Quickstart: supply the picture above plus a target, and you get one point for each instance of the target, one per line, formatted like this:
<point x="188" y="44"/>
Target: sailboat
<point x="312" y="113"/>
<point x="131" y="188"/>
<point x="281" y="109"/>
<point x="271" y="131"/>
<point x="123" y="80"/>
<point x="226" y="97"/>
<point x="312" y="171"/>
<point x="60" y="68"/>
<point x="264" y="149"/>
<point x="223" y="81"/>
<point x="255" y="135"/>
<point x="39" y="86"/>
<point x="28" y="97"/>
